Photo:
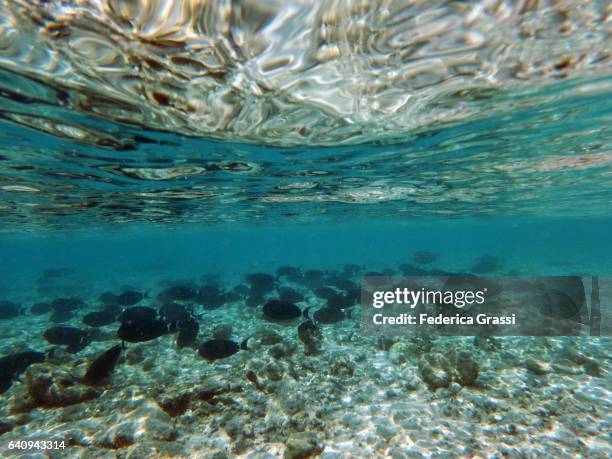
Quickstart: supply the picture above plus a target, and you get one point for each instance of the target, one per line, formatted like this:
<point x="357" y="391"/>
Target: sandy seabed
<point x="358" y="397"/>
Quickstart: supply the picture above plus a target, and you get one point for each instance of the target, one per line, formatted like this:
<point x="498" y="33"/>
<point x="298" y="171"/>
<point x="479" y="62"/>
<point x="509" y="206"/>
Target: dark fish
<point x="142" y="330"/>
<point x="99" y="318"/>
<point x="408" y="270"/>
<point x="341" y="283"/>
<point x="66" y="304"/>
<point x="171" y="313"/>
<point x="310" y="334"/>
<point x="129" y="298"/>
<point x="13" y="365"/>
<point x="337" y="301"/>
<point x="108" y="298"/>
<point x="188" y="333"/>
<point x="215" y="349"/>
<point x="352" y="297"/>
<point x="178" y="293"/>
<point x="351" y="269"/>
<point x="241" y="290"/>
<point x="252" y="377"/>
<point x="566" y="298"/>
<point x="211" y="297"/>
<point x="58" y="272"/>
<point x="260" y="283"/>
<point x="232" y="297"/>
<point x="210" y="277"/>
<point x="260" y="279"/>
<point x="281" y="310"/>
<point x="59" y="317"/>
<point x="289" y="271"/>
<point x="314" y="275"/>
<point x="75" y="338"/>
<point x="39" y="309"/>
<point x="113" y="309"/>
<point x="329" y="315"/>
<point x="9" y="310"/>
<point x="306" y="330"/>
<point x="425" y="257"/>
<point x="486" y="264"/>
<point x="254" y="300"/>
<point x="289" y="294"/>
<point x="137" y="313"/>
<point x="101" y="368"/>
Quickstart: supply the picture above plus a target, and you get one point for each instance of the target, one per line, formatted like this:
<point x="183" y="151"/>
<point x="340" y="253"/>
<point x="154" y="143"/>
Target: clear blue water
<point x="553" y="246"/>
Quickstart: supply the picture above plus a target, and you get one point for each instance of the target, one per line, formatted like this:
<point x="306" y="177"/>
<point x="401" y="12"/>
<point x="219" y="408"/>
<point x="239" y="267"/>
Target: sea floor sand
<point x="359" y="397"/>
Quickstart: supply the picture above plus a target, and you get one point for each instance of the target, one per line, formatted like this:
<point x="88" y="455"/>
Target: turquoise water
<point x="126" y="167"/>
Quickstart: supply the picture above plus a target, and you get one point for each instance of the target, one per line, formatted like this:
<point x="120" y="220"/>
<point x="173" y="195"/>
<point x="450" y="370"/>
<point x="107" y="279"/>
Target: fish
<point x="136" y="313"/>
<point x="11" y="366"/>
<point x="178" y="293"/>
<point x="130" y="298"/>
<point x="252" y="377"/>
<point x="260" y="279"/>
<point x="329" y="315"/>
<point x="99" y="318"/>
<point x="254" y="300"/>
<point x="337" y="301"/>
<point x="188" y="333"/>
<point x="487" y="264"/>
<point x="344" y="300"/>
<point x="289" y="294"/>
<point x="351" y="269"/>
<point x="232" y="297"/>
<point x="260" y="283"/>
<point x="289" y="273"/>
<point x="314" y="278"/>
<point x="74" y="338"/>
<point x="142" y="330"/>
<point x="171" y="313"/>
<point x="566" y="298"/>
<point x="211" y="297"/>
<point x="58" y="272"/>
<point x="241" y="290"/>
<point x="216" y="349"/>
<point x="59" y="317"/>
<point x="9" y="310"/>
<point x="424" y="257"/>
<point x="281" y="310"/>
<point x="38" y="309"/>
<point x="408" y="270"/>
<point x="310" y="334"/>
<point x="113" y="309"/>
<point x="103" y="366"/>
<point x="108" y="298"/>
<point x="306" y="329"/>
<point x="67" y="304"/>
<point x="341" y="283"/>
<point x="325" y="292"/>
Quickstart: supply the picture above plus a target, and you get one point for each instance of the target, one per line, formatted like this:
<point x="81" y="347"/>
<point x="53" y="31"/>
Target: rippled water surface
<point x="428" y="109"/>
<point x="294" y="73"/>
<point x="550" y="160"/>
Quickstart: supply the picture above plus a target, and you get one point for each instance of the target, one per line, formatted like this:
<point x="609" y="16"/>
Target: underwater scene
<point x="196" y="196"/>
